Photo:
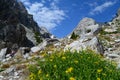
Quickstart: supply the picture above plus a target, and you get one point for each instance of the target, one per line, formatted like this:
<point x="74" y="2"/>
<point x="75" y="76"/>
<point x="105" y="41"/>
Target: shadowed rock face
<point x="12" y="15"/>
<point x="14" y="34"/>
<point x="14" y="24"/>
<point x="13" y="12"/>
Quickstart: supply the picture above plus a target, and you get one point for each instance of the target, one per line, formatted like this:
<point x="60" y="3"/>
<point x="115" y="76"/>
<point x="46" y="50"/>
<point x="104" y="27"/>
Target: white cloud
<point x="42" y="1"/>
<point x="101" y="8"/>
<point x="47" y="16"/>
<point x="25" y="2"/>
<point x="93" y="4"/>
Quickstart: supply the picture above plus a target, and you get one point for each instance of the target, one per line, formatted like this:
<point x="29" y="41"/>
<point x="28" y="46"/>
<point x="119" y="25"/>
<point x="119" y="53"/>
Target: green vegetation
<point x="74" y="36"/>
<point x="118" y="30"/>
<point x="102" y="32"/>
<point x="85" y="65"/>
<point x="37" y="37"/>
<point x="89" y="30"/>
<point x="117" y="23"/>
<point x="1" y="69"/>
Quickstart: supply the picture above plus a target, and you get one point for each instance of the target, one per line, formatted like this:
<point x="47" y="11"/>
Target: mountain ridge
<point x="14" y="14"/>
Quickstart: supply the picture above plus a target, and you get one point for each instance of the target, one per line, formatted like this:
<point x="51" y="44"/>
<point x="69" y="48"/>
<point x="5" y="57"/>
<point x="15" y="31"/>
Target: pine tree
<point x="74" y="36"/>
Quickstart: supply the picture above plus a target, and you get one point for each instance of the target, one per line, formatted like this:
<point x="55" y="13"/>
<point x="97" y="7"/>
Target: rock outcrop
<point x="87" y="25"/>
<point x="87" y="30"/>
<point x="2" y="53"/>
<point x="86" y="42"/>
<point x="110" y="38"/>
<point x="17" y="26"/>
<point x="45" y="33"/>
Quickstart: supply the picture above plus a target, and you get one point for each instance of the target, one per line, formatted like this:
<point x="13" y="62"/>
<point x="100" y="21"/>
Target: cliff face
<point x="110" y="36"/>
<point x="16" y="25"/>
<point x="13" y="12"/>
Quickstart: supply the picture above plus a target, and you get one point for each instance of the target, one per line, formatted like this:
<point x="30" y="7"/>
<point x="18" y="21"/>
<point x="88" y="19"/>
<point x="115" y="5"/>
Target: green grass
<point x="85" y="65"/>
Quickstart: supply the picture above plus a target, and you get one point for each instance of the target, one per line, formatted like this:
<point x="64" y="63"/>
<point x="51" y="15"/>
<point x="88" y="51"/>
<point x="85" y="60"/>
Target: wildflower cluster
<point x="85" y="65"/>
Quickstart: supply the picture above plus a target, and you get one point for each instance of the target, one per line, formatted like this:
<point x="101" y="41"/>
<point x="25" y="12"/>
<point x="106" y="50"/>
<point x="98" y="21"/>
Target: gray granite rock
<point x="84" y="43"/>
<point x="2" y="54"/>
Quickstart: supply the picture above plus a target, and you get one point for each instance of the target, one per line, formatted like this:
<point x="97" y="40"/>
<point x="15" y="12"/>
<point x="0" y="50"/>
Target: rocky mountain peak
<point x="86" y="22"/>
<point x="87" y="25"/>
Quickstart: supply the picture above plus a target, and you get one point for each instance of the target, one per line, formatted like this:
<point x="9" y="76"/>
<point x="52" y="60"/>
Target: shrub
<point x="89" y="30"/>
<point x="74" y="36"/>
<point x="5" y="66"/>
<point x="85" y="65"/>
<point x="38" y="38"/>
<point x="1" y="69"/>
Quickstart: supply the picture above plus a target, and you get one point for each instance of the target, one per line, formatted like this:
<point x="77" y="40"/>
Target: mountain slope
<point x="16" y="25"/>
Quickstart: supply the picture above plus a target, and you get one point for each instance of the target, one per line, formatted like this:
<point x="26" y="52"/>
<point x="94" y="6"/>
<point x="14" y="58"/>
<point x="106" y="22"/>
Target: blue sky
<point x="60" y="17"/>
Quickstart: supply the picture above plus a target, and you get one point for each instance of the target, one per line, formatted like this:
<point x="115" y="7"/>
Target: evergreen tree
<point x="74" y="36"/>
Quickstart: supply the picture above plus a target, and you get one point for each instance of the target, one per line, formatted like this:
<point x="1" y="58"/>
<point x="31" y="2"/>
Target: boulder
<point x="2" y="54"/>
<point x="39" y="47"/>
<point x="110" y="30"/>
<point x="35" y="49"/>
<point x="9" y="71"/>
<point x="52" y="41"/>
<point x="113" y="56"/>
<point x="22" y="52"/>
<point x="84" y="43"/>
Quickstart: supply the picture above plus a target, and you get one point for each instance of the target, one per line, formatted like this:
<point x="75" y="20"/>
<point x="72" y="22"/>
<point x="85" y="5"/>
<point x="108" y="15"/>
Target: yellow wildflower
<point x="66" y="71"/>
<point x="72" y="78"/>
<point x="63" y="58"/>
<point x="110" y="70"/>
<point x="52" y="57"/>
<point x="43" y="54"/>
<point x="32" y="76"/>
<point x="98" y="79"/>
<point x="69" y="70"/>
<point x="55" y="66"/>
<point x="81" y="56"/>
<point x="39" y="72"/>
<point x="96" y="62"/>
<point x="47" y="75"/>
<point x="99" y="70"/>
<point x="88" y="57"/>
<point x="103" y="74"/>
<point x="76" y="61"/>
<point x="51" y="60"/>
